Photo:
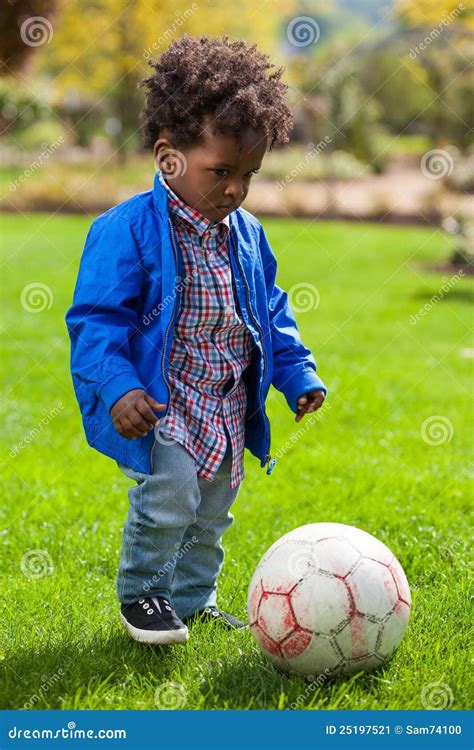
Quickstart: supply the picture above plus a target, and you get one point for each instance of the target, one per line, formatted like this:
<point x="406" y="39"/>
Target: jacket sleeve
<point x="104" y="314"/>
<point x="294" y="367"/>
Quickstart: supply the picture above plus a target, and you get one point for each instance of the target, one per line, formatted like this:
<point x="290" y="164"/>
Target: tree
<point x="441" y="46"/>
<point x="25" y="25"/>
<point x="101" y="48"/>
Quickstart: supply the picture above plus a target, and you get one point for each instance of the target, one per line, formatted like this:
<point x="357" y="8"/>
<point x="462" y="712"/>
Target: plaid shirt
<point x="211" y="348"/>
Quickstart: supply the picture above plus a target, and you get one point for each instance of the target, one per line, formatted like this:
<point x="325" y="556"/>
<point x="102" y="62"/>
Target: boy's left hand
<point x="309" y="402"/>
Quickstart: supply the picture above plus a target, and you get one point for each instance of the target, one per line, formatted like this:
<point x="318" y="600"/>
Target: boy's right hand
<point x="132" y="414"/>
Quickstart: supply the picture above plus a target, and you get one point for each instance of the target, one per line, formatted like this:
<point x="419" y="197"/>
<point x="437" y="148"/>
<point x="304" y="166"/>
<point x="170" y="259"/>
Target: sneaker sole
<point x="156" y="637"/>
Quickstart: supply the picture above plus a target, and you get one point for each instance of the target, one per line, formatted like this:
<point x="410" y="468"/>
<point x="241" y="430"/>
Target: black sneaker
<point x="214" y="614"/>
<point x="152" y="620"/>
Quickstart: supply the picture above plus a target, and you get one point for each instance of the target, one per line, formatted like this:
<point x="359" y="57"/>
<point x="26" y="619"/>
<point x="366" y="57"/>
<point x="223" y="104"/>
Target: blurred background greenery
<point x="381" y="92"/>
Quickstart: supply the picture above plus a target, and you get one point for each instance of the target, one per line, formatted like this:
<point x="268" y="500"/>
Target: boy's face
<point x="215" y="176"/>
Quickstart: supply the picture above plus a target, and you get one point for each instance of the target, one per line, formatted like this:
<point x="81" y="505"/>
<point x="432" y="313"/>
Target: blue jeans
<point x="172" y="535"/>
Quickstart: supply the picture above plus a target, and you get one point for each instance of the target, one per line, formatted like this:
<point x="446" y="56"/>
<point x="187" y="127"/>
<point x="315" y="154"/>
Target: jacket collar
<point x="162" y="193"/>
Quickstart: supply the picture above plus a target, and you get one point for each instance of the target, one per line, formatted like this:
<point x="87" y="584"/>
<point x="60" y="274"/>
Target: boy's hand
<point x="309" y="402"/>
<point x="132" y="414"/>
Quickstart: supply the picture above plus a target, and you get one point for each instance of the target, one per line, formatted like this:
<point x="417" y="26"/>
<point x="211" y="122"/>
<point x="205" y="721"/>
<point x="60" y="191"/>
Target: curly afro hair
<point x="230" y="81"/>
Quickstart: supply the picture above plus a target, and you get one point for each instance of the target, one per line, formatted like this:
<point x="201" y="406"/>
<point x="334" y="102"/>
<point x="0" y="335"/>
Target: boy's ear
<point x="161" y="144"/>
<point x="164" y="152"/>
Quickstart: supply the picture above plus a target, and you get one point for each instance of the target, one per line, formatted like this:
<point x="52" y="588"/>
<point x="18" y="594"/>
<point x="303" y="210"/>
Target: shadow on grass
<point x="53" y="674"/>
<point x="249" y="681"/>
<point x="112" y="671"/>
<point x="462" y="296"/>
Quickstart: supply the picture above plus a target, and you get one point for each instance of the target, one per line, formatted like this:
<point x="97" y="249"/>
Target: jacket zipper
<point x="267" y="458"/>
<point x="165" y="379"/>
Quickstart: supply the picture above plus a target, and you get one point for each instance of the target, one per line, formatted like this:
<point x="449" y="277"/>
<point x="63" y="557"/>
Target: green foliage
<point x="302" y="164"/>
<point x="19" y="106"/>
<point x="335" y="105"/>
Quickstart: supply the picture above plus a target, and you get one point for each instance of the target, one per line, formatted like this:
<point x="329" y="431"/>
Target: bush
<point x="462" y="175"/>
<point x="297" y="164"/>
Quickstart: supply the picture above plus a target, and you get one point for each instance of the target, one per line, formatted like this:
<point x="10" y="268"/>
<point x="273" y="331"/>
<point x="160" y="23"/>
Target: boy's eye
<point x="221" y="172"/>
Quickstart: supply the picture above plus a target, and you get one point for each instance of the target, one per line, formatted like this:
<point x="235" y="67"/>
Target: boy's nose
<point x="235" y="192"/>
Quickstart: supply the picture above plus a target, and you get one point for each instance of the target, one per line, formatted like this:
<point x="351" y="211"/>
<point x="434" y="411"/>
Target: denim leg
<point x="162" y="505"/>
<point x="201" y="555"/>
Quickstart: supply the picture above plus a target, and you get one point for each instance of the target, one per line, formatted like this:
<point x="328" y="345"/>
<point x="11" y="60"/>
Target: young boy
<point x="178" y="329"/>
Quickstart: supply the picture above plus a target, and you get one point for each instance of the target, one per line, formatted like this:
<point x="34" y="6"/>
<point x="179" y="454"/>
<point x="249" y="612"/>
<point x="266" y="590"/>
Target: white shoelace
<point x="149" y="609"/>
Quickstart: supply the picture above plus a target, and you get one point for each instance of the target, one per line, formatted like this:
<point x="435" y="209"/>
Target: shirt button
<point x="228" y="310"/>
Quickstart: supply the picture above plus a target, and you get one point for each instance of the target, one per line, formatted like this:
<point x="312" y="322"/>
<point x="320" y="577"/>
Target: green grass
<point x="363" y="462"/>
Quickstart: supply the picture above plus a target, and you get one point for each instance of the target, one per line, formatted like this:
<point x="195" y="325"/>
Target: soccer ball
<point x="328" y="599"/>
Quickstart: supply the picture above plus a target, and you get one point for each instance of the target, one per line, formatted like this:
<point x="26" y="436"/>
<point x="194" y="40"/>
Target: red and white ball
<point x="328" y="599"/>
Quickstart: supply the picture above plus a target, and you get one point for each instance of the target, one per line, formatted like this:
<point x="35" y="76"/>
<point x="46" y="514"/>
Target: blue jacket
<point x="125" y="304"/>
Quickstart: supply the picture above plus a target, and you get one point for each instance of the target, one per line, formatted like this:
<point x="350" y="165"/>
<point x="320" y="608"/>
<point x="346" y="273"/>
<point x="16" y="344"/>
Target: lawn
<point x="364" y="462"/>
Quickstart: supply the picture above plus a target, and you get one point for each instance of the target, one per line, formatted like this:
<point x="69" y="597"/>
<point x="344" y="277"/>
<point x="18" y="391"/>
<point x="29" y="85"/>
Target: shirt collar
<point x="179" y="208"/>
